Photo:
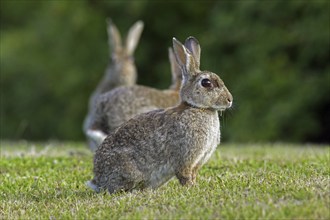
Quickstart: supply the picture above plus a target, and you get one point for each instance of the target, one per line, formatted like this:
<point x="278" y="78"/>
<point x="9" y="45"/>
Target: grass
<point x="47" y="181"/>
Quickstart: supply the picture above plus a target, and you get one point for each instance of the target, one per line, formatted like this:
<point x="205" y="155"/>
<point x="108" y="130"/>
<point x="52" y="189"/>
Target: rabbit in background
<point x="121" y="70"/>
<point x="121" y="104"/>
<point x="151" y="148"/>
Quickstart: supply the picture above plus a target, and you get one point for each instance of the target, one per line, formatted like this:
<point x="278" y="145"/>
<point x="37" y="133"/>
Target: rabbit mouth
<point x="221" y="108"/>
<point x="217" y="109"/>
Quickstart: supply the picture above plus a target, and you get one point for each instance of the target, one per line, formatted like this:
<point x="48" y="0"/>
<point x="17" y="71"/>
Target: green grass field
<point x="47" y="181"/>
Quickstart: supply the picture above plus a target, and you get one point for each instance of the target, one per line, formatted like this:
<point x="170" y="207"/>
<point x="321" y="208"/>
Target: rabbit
<point x="119" y="105"/>
<point x="122" y="70"/>
<point x="151" y="148"/>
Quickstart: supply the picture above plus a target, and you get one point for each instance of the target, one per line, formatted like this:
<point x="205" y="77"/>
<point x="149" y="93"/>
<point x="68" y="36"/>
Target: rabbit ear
<point x="113" y="36"/>
<point x="184" y="59"/>
<point x="133" y="37"/>
<point x="193" y="46"/>
<point x="175" y="70"/>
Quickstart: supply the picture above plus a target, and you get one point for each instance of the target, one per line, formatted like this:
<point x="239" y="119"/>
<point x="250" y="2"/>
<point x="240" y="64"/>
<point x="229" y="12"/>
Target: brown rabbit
<point x="153" y="147"/>
<point x="121" y="104"/>
<point x="121" y="71"/>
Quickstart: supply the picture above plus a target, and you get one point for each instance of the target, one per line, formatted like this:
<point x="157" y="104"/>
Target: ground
<point x="250" y="181"/>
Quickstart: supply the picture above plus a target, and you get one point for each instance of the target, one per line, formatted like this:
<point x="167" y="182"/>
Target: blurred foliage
<point x="272" y="55"/>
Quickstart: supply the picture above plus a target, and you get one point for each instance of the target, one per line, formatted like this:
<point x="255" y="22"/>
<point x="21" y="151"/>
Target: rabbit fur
<point x="121" y="70"/>
<point x="151" y="148"/>
<point x="121" y="104"/>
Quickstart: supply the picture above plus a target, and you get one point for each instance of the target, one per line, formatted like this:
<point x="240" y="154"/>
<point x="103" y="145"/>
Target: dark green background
<point x="273" y="56"/>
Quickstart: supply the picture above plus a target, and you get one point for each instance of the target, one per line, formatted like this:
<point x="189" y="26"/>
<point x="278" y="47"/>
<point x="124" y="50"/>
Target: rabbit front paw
<point x="186" y="180"/>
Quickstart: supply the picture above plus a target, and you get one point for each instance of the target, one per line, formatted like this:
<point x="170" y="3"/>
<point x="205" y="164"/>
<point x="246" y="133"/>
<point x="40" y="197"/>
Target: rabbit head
<point x="201" y="89"/>
<point x="121" y="69"/>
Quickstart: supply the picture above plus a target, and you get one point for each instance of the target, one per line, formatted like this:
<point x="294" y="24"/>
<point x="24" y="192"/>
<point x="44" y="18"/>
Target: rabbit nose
<point x="230" y="100"/>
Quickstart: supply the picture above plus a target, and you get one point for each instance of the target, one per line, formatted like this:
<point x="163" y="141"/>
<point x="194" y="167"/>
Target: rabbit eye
<point x="206" y="83"/>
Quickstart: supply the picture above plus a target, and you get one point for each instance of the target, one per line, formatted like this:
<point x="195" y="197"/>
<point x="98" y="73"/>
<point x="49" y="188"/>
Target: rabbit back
<point x="121" y="104"/>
